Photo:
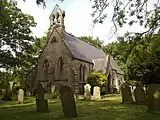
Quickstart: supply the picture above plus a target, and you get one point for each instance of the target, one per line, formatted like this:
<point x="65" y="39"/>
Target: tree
<point x="33" y="54"/>
<point x="144" y="12"/>
<point x="15" y="36"/>
<point x="98" y="79"/>
<point x="144" y="60"/>
<point x="139" y="58"/>
<point x="94" y="42"/>
<point x="119" y="50"/>
<point x="15" y="40"/>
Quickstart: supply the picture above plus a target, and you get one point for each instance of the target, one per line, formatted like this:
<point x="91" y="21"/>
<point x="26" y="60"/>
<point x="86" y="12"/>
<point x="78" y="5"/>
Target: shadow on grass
<point x="17" y="105"/>
<point x="94" y="110"/>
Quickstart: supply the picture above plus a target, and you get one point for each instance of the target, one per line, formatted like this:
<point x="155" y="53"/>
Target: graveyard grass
<point x="109" y="108"/>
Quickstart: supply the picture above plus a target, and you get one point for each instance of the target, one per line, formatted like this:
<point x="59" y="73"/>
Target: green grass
<point x="109" y="108"/>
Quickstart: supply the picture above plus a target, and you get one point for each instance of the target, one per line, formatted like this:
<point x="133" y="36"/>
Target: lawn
<point x="109" y="108"/>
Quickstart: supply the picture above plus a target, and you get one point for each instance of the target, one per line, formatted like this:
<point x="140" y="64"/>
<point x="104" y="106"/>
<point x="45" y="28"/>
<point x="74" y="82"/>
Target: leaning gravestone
<point x="126" y="93"/>
<point x="96" y="93"/>
<point x="21" y="96"/>
<point x="87" y="92"/>
<point x="68" y="102"/>
<point x="154" y="98"/>
<point x="139" y="95"/>
<point x="41" y="103"/>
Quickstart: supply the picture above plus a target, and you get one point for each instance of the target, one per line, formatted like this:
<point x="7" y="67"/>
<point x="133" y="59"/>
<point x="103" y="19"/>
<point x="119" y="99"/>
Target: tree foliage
<point x="94" y="42"/>
<point x="144" y="60"/>
<point x="144" y="12"/>
<point x="98" y="79"/>
<point x="15" y="36"/>
<point x="139" y="58"/>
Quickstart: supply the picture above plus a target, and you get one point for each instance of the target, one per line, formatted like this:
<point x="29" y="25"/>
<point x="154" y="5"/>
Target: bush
<point x="98" y="79"/>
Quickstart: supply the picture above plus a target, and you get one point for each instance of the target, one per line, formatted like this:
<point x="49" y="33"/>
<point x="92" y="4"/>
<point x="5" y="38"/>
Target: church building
<point x="67" y="60"/>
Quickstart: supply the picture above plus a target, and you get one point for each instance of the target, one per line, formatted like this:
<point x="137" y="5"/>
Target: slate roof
<point x="82" y="50"/>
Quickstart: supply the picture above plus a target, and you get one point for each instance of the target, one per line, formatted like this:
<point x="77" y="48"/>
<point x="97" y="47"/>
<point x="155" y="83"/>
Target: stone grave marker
<point x="139" y="95"/>
<point x="132" y="91"/>
<point x="21" y="96"/>
<point x="11" y="85"/>
<point x="96" y="93"/>
<point x="41" y="103"/>
<point x="126" y="93"/>
<point x="87" y="92"/>
<point x="53" y="88"/>
<point x="68" y="102"/>
<point x="154" y="98"/>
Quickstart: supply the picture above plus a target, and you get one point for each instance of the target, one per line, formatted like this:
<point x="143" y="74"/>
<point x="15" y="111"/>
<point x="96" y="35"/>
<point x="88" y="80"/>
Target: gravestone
<point x="28" y="93"/>
<point x="87" y="92"/>
<point x="132" y="91"/>
<point x="126" y="93"/>
<point x="21" y="96"/>
<point x="96" y="93"/>
<point x="11" y="85"/>
<point x="68" y="102"/>
<point x="139" y="95"/>
<point x="53" y="88"/>
<point x="154" y="98"/>
<point x="41" y="103"/>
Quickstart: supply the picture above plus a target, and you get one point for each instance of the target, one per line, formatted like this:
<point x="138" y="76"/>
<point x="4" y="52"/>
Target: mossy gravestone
<point x="21" y="96"/>
<point x="68" y="102"/>
<point x="41" y="103"/>
<point x="126" y="94"/>
<point x="87" y="92"/>
<point x="154" y="98"/>
<point x="139" y="95"/>
<point x="96" y="93"/>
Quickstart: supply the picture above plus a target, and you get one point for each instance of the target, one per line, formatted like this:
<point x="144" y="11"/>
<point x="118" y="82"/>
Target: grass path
<point x="109" y="108"/>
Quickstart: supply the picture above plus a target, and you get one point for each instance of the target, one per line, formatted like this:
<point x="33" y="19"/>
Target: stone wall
<point x="56" y="57"/>
<point x="53" y="56"/>
<point x="77" y="65"/>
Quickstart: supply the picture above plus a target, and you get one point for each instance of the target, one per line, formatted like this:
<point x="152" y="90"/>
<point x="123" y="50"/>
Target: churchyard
<point x="129" y="105"/>
<point x="109" y="108"/>
<point x="64" y="77"/>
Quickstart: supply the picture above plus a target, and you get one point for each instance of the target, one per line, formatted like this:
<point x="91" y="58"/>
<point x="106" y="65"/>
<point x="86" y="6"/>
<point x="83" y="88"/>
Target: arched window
<point x="60" y="66"/>
<point x="80" y="73"/>
<point x="46" y="65"/>
<point x="84" y="75"/>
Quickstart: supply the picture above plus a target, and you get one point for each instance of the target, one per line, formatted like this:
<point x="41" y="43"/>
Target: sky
<point x="78" y="19"/>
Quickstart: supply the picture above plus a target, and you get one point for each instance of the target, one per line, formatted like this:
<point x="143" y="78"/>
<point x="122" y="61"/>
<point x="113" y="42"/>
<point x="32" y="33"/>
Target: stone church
<point x="68" y="60"/>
